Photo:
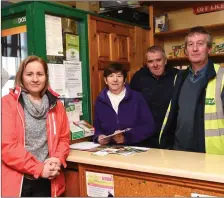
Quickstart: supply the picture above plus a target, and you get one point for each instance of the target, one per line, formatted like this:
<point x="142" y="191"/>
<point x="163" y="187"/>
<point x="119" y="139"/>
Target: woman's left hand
<point x="119" y="138"/>
<point x="54" y="160"/>
<point x="56" y="163"/>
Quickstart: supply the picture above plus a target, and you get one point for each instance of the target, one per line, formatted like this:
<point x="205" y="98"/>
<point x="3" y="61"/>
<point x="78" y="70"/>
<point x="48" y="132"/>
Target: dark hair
<point x="154" y="49"/>
<point x="23" y="64"/>
<point x="115" y="68"/>
<point x="199" y="30"/>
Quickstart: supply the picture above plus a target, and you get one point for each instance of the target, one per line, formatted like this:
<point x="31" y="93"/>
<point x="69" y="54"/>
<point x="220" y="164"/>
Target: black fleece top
<point x="157" y="93"/>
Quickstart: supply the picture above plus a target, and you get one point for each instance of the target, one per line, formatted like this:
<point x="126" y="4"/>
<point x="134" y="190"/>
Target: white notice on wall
<point x="73" y="81"/>
<point x="57" y="78"/>
<point x="53" y="35"/>
<point x="99" y="184"/>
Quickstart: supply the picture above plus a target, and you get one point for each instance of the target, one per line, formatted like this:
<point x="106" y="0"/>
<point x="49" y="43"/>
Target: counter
<point x="175" y="173"/>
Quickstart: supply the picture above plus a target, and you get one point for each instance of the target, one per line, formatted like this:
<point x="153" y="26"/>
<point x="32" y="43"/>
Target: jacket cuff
<point x="95" y="139"/>
<point x="39" y="170"/>
<point x="63" y="162"/>
<point x="127" y="138"/>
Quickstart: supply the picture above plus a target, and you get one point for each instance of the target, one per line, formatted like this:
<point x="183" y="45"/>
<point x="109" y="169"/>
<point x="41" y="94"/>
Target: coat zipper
<point x="51" y="143"/>
<point x="23" y="145"/>
<point x="54" y="124"/>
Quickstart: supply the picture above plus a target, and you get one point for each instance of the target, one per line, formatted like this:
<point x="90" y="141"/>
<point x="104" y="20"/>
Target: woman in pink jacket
<point x="35" y="135"/>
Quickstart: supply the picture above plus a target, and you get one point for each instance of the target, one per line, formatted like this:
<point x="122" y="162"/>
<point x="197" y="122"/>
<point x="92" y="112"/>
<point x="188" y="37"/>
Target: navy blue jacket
<point x="133" y="112"/>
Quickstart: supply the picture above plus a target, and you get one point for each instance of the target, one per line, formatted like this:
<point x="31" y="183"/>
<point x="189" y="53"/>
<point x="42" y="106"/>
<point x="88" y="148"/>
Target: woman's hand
<point x="53" y="166"/>
<point x="53" y="160"/>
<point x="103" y="141"/>
<point x="119" y="138"/>
<point x="50" y="171"/>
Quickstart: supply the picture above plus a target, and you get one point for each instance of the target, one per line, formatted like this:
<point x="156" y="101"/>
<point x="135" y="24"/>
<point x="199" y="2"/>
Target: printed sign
<point x="99" y="184"/>
<point x="209" y="8"/>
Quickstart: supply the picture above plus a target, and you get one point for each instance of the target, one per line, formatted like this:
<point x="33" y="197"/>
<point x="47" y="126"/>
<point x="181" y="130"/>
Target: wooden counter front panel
<point x="132" y="183"/>
<point x="126" y="186"/>
<point x="72" y="187"/>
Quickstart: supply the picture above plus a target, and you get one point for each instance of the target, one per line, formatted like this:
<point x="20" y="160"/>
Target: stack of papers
<point x="125" y="151"/>
<point x="84" y="146"/>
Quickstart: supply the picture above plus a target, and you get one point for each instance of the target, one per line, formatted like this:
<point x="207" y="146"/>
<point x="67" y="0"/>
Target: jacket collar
<point x="52" y="96"/>
<point x="209" y="74"/>
<point x="104" y="97"/>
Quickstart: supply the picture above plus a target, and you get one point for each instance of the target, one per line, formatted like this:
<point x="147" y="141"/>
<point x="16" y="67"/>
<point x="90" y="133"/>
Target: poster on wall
<point x="73" y="79"/>
<point x="99" y="184"/>
<point x="66" y="78"/>
<point x="57" y="78"/>
<point x="54" y="39"/>
<point x="72" y="47"/>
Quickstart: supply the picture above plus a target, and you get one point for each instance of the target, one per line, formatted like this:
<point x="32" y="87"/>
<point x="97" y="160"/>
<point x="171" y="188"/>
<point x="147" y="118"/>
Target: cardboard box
<point x="76" y="132"/>
<point x="87" y="127"/>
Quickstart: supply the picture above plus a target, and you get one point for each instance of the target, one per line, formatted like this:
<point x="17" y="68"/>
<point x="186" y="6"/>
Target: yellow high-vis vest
<point x="214" y="114"/>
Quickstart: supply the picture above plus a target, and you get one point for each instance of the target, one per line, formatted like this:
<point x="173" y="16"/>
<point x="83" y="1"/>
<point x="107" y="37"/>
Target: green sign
<point x="72" y="47"/>
<point x="15" y="22"/>
<point x="209" y="101"/>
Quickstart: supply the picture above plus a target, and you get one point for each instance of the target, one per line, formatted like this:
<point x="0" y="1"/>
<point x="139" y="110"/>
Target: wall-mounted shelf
<point x="218" y="58"/>
<point x="181" y="32"/>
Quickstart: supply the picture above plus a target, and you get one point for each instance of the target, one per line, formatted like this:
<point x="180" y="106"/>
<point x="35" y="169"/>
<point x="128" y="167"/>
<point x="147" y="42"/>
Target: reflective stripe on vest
<point x="214" y="117"/>
<point x="167" y="114"/>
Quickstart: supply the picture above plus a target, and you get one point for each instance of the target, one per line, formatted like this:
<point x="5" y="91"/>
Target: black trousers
<point x="36" y="188"/>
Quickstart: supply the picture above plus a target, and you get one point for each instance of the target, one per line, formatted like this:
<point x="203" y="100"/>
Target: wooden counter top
<point x="165" y="162"/>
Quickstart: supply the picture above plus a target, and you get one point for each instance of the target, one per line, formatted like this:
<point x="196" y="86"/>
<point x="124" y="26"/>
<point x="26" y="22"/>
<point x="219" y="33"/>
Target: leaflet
<point x="114" y="134"/>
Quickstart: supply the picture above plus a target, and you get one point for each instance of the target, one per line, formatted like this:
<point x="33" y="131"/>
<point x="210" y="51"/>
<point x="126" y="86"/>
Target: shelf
<point x="185" y="31"/>
<point x="218" y="58"/>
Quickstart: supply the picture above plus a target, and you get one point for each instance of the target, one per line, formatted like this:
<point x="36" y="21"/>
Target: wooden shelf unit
<point x="184" y="31"/>
<point x="176" y="36"/>
<point x="219" y="58"/>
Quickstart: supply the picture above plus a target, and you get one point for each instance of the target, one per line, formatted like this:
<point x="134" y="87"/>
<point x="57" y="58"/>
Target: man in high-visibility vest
<point x="155" y="81"/>
<point x="194" y="120"/>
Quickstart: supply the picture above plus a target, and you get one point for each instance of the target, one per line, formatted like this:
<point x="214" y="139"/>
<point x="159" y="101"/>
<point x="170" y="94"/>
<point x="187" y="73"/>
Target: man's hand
<point x="103" y="141"/>
<point x="119" y="138"/>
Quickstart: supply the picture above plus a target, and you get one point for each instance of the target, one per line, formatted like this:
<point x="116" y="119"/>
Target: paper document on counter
<point x="84" y="145"/>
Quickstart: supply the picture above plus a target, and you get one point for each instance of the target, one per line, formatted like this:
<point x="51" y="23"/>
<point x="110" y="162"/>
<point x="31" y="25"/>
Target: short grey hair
<point x="199" y="30"/>
<point x="154" y="49"/>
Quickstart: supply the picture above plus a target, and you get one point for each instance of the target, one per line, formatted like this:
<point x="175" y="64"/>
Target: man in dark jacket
<point x="196" y="121"/>
<point x="155" y="81"/>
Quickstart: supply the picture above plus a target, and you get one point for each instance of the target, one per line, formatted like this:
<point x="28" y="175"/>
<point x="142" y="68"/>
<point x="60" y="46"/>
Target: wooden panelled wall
<point x="111" y="41"/>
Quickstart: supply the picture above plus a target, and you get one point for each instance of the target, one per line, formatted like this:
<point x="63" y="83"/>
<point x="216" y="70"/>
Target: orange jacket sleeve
<point x="14" y="154"/>
<point x="62" y="149"/>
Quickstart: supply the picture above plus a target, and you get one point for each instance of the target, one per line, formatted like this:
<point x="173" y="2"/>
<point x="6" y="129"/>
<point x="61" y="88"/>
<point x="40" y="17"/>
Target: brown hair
<point x="199" y="30"/>
<point x="115" y="68"/>
<point x="23" y="64"/>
